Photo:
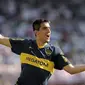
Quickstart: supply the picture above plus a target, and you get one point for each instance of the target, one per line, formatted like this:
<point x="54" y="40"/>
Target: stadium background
<point x="68" y="29"/>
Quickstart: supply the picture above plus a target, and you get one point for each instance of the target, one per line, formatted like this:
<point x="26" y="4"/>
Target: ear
<point x="36" y="32"/>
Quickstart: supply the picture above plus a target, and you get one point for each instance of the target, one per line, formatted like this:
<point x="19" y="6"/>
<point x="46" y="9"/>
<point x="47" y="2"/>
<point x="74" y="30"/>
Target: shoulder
<point x="56" y="48"/>
<point x="28" y="40"/>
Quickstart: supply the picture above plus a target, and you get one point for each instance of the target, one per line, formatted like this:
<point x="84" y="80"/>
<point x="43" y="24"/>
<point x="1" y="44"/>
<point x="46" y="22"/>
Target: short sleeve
<point x="17" y="45"/>
<point x="59" y="59"/>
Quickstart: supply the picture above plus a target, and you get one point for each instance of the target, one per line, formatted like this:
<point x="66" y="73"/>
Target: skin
<point x="43" y="35"/>
<point x="5" y="41"/>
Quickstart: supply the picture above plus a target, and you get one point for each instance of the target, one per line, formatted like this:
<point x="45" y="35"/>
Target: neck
<point x="40" y="44"/>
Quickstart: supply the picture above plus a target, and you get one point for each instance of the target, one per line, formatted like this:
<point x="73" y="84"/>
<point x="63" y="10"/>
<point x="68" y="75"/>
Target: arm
<point x="74" y="69"/>
<point x="5" y="41"/>
<point x="61" y="62"/>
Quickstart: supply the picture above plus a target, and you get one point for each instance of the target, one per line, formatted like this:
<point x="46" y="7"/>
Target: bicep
<point x="17" y="45"/>
<point x="60" y="61"/>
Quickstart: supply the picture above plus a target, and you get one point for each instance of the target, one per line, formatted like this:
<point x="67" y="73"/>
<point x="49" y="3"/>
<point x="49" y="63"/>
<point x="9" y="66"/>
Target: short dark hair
<point x="36" y="24"/>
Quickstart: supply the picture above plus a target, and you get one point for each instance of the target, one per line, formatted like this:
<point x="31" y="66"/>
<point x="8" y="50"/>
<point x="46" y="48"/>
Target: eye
<point x="44" y="28"/>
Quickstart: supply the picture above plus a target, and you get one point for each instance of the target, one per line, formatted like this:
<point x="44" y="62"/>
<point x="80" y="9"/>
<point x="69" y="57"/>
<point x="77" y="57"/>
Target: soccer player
<point x="38" y="57"/>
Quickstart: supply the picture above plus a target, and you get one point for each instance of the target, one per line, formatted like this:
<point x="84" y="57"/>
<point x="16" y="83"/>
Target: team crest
<point x="48" y="51"/>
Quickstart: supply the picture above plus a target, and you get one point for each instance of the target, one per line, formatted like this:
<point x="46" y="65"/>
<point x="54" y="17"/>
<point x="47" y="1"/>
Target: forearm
<point x="74" y="69"/>
<point x="4" y="41"/>
<point x="78" y="69"/>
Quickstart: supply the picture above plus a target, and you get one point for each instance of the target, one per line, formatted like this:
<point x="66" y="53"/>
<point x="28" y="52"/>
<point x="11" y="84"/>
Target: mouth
<point x="48" y="36"/>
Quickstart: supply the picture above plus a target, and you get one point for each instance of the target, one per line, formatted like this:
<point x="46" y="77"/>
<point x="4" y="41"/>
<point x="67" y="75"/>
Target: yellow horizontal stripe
<point x="37" y="62"/>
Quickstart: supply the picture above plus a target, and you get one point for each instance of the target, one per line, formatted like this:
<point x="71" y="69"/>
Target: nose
<point x="48" y="30"/>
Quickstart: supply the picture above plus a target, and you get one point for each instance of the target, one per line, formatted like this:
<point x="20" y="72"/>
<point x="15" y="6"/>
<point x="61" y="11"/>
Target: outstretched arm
<point x="5" y="41"/>
<point x="74" y="69"/>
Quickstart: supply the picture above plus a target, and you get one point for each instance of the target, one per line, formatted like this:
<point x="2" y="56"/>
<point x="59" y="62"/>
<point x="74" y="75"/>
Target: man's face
<point x="44" y="32"/>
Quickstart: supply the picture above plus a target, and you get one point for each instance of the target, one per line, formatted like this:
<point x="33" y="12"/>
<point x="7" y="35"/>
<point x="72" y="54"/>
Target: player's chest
<point x="40" y="53"/>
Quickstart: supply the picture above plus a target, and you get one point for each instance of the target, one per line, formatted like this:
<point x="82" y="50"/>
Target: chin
<point x="47" y="41"/>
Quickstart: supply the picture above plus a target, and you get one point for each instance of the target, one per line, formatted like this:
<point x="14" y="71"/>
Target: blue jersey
<point x="37" y="64"/>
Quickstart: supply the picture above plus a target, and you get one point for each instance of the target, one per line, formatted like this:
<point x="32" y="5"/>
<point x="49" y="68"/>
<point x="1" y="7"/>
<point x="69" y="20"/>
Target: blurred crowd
<point x="67" y="19"/>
